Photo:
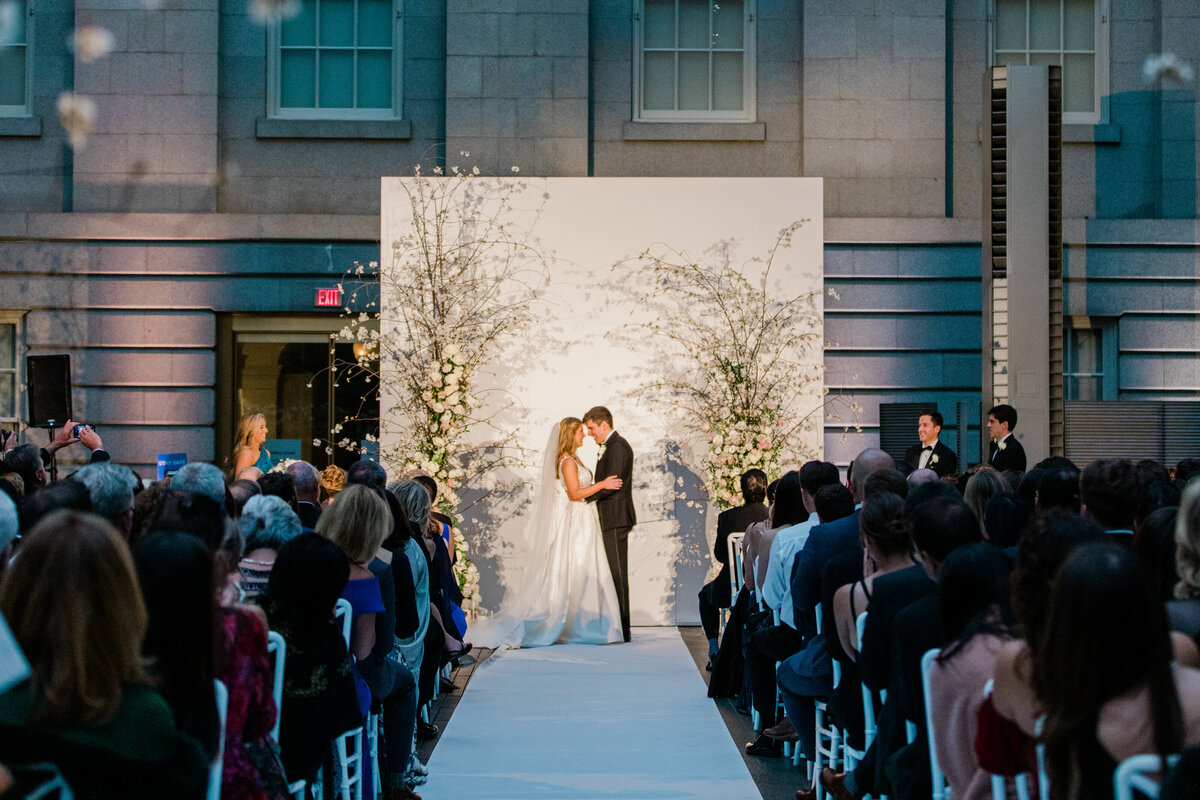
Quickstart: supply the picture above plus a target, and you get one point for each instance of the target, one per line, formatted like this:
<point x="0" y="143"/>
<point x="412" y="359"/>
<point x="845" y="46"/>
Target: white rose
<point x="460" y="409"/>
<point x="451" y="350"/>
<point x="438" y="408"/>
<point x="447" y="368"/>
<point x="452" y="399"/>
<point x="438" y="441"/>
<point x="436" y="380"/>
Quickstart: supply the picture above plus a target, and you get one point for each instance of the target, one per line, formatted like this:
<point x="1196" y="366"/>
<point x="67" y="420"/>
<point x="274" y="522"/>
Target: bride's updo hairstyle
<point x="566" y="441"/>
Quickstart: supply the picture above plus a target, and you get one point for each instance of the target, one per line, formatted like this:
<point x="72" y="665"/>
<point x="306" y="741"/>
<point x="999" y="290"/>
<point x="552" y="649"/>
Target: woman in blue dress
<point x="248" y="450"/>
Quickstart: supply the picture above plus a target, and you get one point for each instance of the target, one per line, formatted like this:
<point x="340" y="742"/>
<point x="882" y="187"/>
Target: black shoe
<point x="708" y="666"/>
<point x="426" y="730"/>
<point x="764" y="746"/>
<point x="447" y="685"/>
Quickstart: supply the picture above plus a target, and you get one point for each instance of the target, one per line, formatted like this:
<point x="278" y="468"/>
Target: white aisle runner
<point x="576" y="721"/>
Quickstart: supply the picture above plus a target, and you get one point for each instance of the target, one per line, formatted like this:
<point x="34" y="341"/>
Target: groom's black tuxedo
<point x="946" y="464"/>
<point x="617" y="516"/>
<point x="1012" y="457"/>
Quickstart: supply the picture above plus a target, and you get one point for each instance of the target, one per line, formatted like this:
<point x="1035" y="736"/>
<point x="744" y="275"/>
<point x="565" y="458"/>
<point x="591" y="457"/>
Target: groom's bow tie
<point x="926" y="447"/>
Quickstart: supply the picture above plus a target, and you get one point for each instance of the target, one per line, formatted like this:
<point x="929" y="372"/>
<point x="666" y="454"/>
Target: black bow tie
<point x="926" y="447"/>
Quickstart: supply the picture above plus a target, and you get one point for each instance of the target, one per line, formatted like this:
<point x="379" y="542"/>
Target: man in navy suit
<point x="1005" y="452"/>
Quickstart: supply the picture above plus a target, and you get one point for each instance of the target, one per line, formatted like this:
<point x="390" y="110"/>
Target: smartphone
<point x="77" y="430"/>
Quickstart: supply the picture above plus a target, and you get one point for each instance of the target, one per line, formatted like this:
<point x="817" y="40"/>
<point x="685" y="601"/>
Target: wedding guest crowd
<point x="1072" y="596"/>
<point x="129" y="602"/>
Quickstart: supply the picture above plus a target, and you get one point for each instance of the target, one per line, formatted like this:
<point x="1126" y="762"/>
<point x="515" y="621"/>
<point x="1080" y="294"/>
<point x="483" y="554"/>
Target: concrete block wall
<point x="154" y="147"/>
<point x="874" y="106"/>
<point x="517" y="86"/>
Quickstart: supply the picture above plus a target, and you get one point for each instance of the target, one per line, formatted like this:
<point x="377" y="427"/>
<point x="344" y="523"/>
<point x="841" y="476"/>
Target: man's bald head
<point x="868" y="461"/>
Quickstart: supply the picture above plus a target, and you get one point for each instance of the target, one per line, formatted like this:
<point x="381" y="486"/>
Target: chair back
<point x="214" y="772"/>
<point x="1142" y="773"/>
<point x="277" y="650"/>
<point x="344" y="614"/>
<point x="940" y="789"/>
<point x="870" y="728"/>
<point x="733" y="546"/>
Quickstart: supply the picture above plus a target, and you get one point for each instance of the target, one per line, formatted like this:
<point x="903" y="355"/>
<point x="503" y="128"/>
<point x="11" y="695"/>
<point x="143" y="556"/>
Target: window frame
<point x="1100" y="65"/>
<point x="26" y="110"/>
<point x="274" y="78"/>
<point x="749" y="74"/>
<point x="1108" y="355"/>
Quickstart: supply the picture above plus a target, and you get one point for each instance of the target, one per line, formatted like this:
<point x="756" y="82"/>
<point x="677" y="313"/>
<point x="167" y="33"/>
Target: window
<point x="10" y="377"/>
<point x="14" y="58"/>
<point x="694" y="61"/>
<point x="1071" y="33"/>
<point x="1090" y="359"/>
<point x="337" y="59"/>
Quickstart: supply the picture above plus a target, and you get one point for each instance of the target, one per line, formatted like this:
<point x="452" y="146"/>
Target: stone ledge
<point x="694" y="131"/>
<point x="1107" y="133"/>
<point x="21" y="126"/>
<point x="358" y="228"/>
<point x="269" y="128"/>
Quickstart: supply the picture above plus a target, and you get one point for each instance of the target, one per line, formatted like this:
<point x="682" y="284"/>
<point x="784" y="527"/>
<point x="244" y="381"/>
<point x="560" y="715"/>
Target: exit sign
<point x="329" y="298"/>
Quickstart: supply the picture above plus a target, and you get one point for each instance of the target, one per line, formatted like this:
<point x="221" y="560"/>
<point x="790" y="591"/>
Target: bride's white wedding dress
<point x="566" y="595"/>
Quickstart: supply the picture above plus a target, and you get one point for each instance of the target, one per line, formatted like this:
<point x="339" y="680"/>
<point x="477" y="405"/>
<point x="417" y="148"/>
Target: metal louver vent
<point x="1161" y="431"/>
<point x="898" y="426"/>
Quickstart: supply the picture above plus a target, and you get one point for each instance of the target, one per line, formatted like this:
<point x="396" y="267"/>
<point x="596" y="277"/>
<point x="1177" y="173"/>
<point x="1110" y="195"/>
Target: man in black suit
<point x="1005" y="452"/>
<point x="615" y="506"/>
<point x="718" y="593"/>
<point x="931" y="453"/>
<point x="308" y="492"/>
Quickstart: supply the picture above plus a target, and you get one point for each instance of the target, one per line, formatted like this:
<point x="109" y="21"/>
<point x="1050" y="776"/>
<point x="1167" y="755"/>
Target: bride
<point x="566" y="594"/>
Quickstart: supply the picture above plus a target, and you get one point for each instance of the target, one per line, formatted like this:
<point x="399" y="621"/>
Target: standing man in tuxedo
<point x="1005" y="452"/>
<point x="615" y="506"/>
<point x="931" y="453"/>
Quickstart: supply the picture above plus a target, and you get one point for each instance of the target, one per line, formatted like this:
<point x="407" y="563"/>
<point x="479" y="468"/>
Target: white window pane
<point x="727" y="81"/>
<point x="8" y="395"/>
<point x="14" y="32"/>
<point x="1084" y="388"/>
<point x="12" y="76"/>
<point x="298" y="82"/>
<point x="693" y="81"/>
<point x="728" y="22"/>
<point x="1080" y="24"/>
<point x="1044" y="25"/>
<point x="658" y="82"/>
<point x="8" y="346"/>
<point x="336" y="19"/>
<point x="659" y="28"/>
<point x="1040" y="59"/>
<point x="1079" y="83"/>
<point x="336" y="70"/>
<point x="1010" y="24"/>
<point x="301" y="30"/>
<point x="374" y="23"/>
<point x="693" y="24"/>
<point x="1010" y="59"/>
<point x="375" y="79"/>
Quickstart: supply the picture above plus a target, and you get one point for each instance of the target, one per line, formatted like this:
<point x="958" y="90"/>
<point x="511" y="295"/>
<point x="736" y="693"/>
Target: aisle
<point x="571" y="722"/>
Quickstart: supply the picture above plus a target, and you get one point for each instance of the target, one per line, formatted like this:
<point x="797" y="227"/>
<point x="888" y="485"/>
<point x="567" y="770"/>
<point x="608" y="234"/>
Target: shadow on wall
<point x="1151" y="174"/>
<point x="690" y="539"/>
<point x="486" y="510"/>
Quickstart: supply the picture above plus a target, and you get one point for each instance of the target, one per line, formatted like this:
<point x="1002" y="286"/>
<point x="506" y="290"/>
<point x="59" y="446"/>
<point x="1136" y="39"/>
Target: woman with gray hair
<point x="266" y="524"/>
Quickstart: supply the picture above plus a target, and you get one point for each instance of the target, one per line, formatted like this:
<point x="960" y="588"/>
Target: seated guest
<point x="54" y="497"/>
<point x="717" y="594"/>
<point x="1183" y="613"/>
<point x="886" y="539"/>
<point x="1105" y="680"/>
<point x="147" y="506"/>
<point x="1109" y="495"/>
<point x="982" y="487"/>
<point x="266" y="524"/>
<point x="976" y="621"/>
<point x="1057" y="485"/>
<point x="413" y="616"/>
<point x="9" y="525"/>
<point x="319" y="698"/>
<point x="1006" y="518"/>
<point x="307" y="483"/>
<point x="1185" y="470"/>
<point x="449" y="606"/>
<point x="26" y="461"/>
<point x="175" y="572"/>
<point x="1005" y="453"/>
<point x="200" y="478"/>
<point x="358" y="523"/>
<point x="758" y="539"/>
<point x="791" y="540"/>
<point x="931" y="454"/>
<point x="1155" y="550"/>
<point x="73" y="590"/>
<point x="241" y="491"/>
<point x="110" y="488"/>
<point x="281" y="485"/>
<point x="333" y="480"/>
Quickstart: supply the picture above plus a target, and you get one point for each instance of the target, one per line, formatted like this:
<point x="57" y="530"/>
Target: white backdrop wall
<point x="589" y="230"/>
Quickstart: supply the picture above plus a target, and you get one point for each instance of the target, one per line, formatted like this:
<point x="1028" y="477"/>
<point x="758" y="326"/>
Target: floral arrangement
<point x="283" y="464"/>
<point x="733" y="358"/>
<point x="461" y="284"/>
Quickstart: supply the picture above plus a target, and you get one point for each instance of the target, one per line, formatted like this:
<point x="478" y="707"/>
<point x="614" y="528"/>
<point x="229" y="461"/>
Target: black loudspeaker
<point x="49" y="390"/>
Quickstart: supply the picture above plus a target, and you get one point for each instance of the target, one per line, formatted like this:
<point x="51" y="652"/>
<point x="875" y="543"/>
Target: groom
<point x="615" y="506"/>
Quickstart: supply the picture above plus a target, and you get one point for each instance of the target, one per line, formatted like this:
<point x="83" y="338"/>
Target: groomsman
<point x="931" y="453"/>
<point x="1005" y="451"/>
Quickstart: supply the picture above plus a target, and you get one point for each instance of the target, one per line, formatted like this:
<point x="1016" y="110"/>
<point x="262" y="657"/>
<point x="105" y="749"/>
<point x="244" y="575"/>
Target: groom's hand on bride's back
<point x="611" y="482"/>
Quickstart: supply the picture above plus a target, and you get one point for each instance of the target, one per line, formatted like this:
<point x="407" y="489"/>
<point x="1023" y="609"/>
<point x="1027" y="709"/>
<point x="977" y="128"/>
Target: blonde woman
<point x="567" y="594"/>
<point x="248" y="450"/>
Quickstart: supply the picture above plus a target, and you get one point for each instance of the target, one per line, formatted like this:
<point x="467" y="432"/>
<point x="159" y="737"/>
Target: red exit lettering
<point x="329" y="298"/>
